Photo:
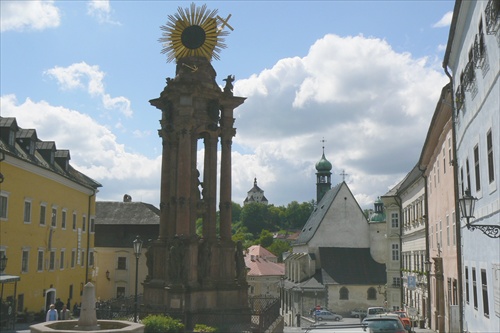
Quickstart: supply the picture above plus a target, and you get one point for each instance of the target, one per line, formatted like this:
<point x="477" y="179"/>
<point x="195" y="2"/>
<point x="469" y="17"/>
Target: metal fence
<point x="264" y="311"/>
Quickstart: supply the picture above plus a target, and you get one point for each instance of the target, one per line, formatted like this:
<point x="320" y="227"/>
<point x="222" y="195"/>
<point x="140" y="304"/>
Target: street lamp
<point x="467" y="204"/>
<point x="137" y="252"/>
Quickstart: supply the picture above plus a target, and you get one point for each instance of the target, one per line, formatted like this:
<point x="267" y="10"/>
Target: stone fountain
<point x="88" y="320"/>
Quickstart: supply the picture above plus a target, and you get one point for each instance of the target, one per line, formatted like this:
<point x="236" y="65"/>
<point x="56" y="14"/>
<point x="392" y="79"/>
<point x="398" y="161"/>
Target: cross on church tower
<point x="343" y="174"/>
<point x="323" y="146"/>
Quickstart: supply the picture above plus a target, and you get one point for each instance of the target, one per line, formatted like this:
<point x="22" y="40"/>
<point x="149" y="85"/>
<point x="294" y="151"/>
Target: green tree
<point x="265" y="239"/>
<point x="297" y="214"/>
<point x="278" y="247"/>
<point x="255" y="216"/>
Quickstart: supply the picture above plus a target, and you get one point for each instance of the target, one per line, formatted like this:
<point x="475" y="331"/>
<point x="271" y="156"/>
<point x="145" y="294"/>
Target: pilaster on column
<point x="225" y="208"/>
<point x="210" y="187"/>
<point x="184" y="179"/>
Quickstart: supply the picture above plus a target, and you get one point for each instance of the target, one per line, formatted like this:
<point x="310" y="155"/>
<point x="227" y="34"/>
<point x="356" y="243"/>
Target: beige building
<point x="117" y="226"/>
<point x="264" y="272"/>
<point x="444" y="247"/>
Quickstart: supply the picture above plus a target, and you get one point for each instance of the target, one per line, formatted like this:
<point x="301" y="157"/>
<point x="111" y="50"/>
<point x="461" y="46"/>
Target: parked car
<point x="327" y="315"/>
<point x="356" y="313"/>
<point x="370" y="312"/>
<point x="384" y="323"/>
<point x="404" y="319"/>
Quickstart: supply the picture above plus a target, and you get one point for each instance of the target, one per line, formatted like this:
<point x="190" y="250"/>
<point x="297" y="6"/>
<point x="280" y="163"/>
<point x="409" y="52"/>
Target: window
<point x="27" y="211"/>
<point x="3" y="206"/>
<point x="120" y="292"/>
<point x="395" y="220"/>
<point x="344" y="293"/>
<point x="437" y="171"/>
<point x="63" y="219"/>
<point x="454" y="231"/>
<point x="444" y="161"/>
<point x="467" y="169"/>
<point x="20" y="303"/>
<point x="53" y="219"/>
<point x="476" y="168"/>
<point x="92" y="225"/>
<point x="74" y="221"/>
<point x="484" y="284"/>
<point x="371" y="294"/>
<point x="39" y="267"/>
<point x="395" y="252"/>
<point x="25" y="261"/>
<point x="474" y="288"/>
<point x="52" y="260"/>
<point x="462" y="180"/>
<point x="61" y="260"/>
<point x="489" y="147"/>
<point x="467" y="298"/>
<point x="441" y="232"/>
<point x="448" y="230"/>
<point x="43" y="214"/>
<point x="91" y="258"/>
<point x="122" y="263"/>
<point x="83" y="258"/>
<point x="84" y="223"/>
<point x="396" y="282"/>
<point x="73" y="258"/>
<point x="449" y="151"/>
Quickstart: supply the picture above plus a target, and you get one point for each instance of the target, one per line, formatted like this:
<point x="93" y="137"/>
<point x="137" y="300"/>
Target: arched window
<point x="372" y="293"/>
<point x="344" y="293"/>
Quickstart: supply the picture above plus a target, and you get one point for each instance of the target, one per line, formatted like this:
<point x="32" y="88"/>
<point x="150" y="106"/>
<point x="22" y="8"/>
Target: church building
<point x="256" y="194"/>
<point x="339" y="259"/>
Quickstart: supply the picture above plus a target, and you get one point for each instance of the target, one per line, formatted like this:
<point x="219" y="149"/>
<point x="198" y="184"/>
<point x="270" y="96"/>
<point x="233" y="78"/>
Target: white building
<point x="472" y="60"/>
<point x="407" y="199"/>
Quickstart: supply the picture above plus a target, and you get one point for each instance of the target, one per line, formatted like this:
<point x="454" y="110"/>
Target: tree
<point x="278" y="247"/>
<point x="265" y="239"/>
<point x="297" y="214"/>
<point x="255" y="216"/>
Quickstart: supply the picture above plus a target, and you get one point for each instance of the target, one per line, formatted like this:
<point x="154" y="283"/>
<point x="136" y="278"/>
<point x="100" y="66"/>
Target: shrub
<point x="162" y="324"/>
<point x="201" y="328"/>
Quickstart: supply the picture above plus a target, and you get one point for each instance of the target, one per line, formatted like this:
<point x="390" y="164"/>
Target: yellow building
<point x="45" y="209"/>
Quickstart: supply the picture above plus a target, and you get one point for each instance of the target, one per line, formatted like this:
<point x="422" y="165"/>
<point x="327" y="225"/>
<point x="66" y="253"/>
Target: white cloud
<point x="28" y="15"/>
<point x="82" y="75"/>
<point x="445" y="21"/>
<point x="93" y="148"/>
<point x="101" y="10"/>
<point x="371" y="104"/>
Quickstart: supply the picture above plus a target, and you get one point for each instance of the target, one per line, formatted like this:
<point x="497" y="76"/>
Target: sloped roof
<point x="258" y="250"/>
<point x="351" y="266"/>
<point x="132" y="213"/>
<point x="259" y="266"/>
<point x="318" y="215"/>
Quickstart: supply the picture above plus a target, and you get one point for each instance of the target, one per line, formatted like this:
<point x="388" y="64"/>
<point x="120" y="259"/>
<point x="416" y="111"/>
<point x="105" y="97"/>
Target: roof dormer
<point x="47" y="150"/>
<point x="27" y="139"/>
<point x="8" y="130"/>
<point x="62" y="158"/>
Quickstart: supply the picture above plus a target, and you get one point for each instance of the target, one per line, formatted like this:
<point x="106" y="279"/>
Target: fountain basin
<point x="71" y="326"/>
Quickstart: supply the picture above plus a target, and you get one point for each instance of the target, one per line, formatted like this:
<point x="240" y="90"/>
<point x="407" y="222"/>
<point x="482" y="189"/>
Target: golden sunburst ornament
<point x="193" y="32"/>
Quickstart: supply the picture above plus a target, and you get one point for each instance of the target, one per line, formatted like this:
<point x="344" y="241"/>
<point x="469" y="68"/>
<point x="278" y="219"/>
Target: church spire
<point x="323" y="175"/>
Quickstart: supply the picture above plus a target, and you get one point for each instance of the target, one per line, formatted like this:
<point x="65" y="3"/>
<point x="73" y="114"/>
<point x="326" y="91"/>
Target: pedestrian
<point x="64" y="314"/>
<point x="298" y="319"/>
<point x="52" y="313"/>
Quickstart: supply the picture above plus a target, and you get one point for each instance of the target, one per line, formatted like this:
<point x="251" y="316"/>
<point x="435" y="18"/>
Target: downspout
<point x="399" y="202"/>
<point x="457" y="210"/>
<point x="88" y="238"/>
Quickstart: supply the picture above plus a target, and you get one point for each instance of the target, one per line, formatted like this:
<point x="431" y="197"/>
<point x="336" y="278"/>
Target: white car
<point x="327" y="315"/>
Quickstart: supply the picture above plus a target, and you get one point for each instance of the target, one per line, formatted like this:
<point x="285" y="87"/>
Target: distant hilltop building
<point x="256" y="194"/>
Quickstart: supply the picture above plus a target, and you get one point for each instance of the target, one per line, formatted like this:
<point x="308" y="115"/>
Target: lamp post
<point x="467" y="204"/>
<point x="137" y="252"/>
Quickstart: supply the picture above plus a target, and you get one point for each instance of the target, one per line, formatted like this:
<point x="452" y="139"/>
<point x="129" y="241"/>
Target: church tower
<point x="323" y="177"/>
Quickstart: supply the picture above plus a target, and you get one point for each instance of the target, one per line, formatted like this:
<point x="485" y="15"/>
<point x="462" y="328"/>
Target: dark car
<point x="384" y="324"/>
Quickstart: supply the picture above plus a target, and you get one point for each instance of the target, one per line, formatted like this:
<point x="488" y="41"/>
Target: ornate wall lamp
<point x="467" y="204"/>
<point x="3" y="265"/>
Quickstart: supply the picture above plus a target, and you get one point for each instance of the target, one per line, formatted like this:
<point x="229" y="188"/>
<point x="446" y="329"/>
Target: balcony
<point x="479" y="50"/>
<point x="469" y="76"/>
<point x="492" y="14"/>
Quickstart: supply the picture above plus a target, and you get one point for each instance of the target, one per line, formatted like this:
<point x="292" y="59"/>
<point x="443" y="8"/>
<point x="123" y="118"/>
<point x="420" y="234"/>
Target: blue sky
<point x="363" y="75"/>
